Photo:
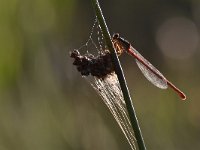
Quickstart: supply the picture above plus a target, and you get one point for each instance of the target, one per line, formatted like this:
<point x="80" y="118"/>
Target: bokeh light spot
<point x="178" y="38"/>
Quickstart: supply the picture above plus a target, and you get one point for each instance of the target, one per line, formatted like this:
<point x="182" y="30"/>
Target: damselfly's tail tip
<point x="182" y="95"/>
<point x="179" y="92"/>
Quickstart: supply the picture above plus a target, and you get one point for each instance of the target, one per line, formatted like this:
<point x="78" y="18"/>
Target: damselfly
<point x="150" y="72"/>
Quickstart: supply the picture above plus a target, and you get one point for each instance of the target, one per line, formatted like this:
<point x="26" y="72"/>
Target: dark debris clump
<point x="88" y="64"/>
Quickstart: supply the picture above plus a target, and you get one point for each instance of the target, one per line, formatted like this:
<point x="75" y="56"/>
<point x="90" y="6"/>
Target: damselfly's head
<point x="120" y="44"/>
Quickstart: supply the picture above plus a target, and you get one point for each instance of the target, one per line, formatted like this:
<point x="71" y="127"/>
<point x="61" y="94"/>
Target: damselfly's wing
<point x="155" y="78"/>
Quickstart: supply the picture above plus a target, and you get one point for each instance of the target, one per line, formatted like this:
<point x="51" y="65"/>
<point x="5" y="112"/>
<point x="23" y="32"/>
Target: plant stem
<point x="120" y="75"/>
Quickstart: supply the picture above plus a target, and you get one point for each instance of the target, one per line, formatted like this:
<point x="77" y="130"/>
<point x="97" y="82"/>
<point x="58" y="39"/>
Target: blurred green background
<point x="45" y="104"/>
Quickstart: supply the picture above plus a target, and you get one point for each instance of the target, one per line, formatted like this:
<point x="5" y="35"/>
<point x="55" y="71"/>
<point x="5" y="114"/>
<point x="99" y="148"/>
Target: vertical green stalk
<point x="120" y="75"/>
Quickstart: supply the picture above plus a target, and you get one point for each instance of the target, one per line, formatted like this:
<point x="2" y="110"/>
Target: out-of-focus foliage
<point x="46" y="105"/>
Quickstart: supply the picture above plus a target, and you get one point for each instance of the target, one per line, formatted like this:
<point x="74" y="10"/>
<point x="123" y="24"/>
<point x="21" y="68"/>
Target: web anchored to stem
<point x="98" y="69"/>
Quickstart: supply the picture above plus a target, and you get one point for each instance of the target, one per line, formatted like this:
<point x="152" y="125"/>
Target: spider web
<point x="109" y="88"/>
<point x="95" y="42"/>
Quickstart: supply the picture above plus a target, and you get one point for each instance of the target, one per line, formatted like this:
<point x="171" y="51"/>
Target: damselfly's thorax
<point x="121" y="45"/>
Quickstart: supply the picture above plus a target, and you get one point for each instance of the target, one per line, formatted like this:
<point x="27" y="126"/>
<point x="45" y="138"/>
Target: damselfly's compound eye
<point x="115" y="35"/>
